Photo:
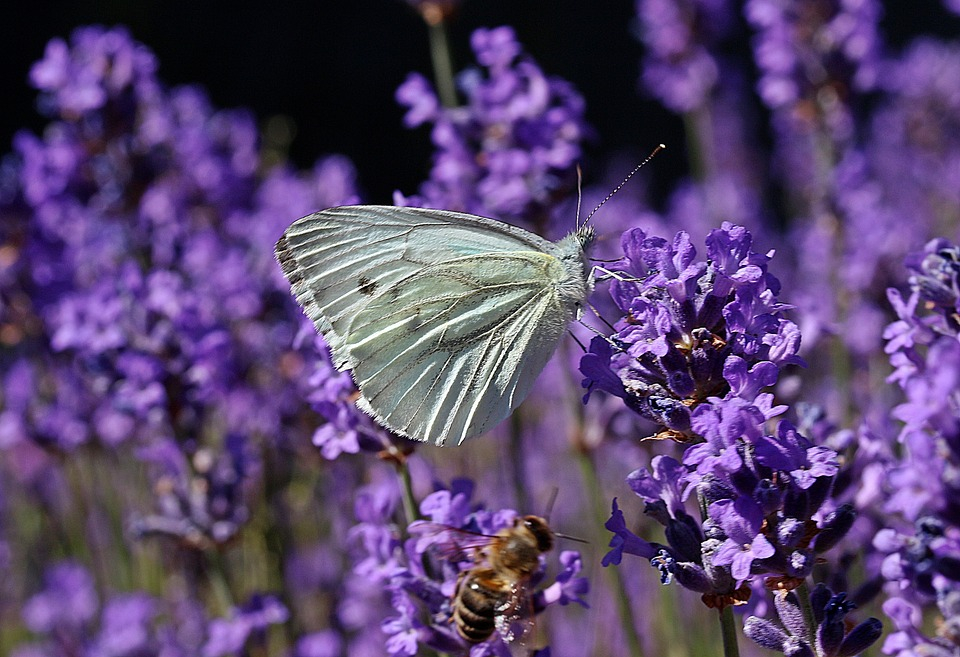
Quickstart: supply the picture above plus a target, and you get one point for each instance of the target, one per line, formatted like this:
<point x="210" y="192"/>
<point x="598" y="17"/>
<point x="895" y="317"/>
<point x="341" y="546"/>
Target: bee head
<point x="541" y="532"/>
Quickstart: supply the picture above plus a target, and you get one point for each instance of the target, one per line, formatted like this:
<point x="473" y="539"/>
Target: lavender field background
<point x="762" y="454"/>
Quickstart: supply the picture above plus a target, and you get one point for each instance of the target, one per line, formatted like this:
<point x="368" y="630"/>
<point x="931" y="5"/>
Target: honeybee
<point x="494" y="594"/>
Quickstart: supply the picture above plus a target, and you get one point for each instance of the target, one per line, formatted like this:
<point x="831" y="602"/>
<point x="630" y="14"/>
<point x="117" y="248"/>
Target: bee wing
<point x="450" y="543"/>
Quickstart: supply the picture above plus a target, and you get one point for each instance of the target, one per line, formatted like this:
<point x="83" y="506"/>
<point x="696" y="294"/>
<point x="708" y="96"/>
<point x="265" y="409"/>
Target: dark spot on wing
<point x="366" y="286"/>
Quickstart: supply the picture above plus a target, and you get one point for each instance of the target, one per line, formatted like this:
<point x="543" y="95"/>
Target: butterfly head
<point x="586" y="235"/>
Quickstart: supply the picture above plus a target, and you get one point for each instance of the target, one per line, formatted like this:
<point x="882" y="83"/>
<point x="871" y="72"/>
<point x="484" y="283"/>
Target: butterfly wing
<point x="445" y="318"/>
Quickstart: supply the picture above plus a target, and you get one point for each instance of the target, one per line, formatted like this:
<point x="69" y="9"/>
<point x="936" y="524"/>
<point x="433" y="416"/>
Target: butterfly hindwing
<point x="437" y="352"/>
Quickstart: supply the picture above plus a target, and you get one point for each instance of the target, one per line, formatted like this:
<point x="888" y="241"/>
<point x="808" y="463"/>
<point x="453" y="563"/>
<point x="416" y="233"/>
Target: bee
<point x="494" y="593"/>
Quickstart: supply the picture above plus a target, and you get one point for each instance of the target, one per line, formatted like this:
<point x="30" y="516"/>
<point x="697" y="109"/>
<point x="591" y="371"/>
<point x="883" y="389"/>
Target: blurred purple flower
<point x="920" y="538"/>
<point x="202" y="504"/>
<point x="326" y="643"/>
<point x="228" y="636"/>
<point x="67" y="603"/>
<point x="126" y="626"/>
<point x="679" y="68"/>
<point x="512" y="147"/>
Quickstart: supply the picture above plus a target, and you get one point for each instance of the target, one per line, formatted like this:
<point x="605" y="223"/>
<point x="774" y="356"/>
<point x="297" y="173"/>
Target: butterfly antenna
<point x="606" y="260"/>
<point x="656" y="150"/>
<point x="617" y="346"/>
<point x="579" y="194"/>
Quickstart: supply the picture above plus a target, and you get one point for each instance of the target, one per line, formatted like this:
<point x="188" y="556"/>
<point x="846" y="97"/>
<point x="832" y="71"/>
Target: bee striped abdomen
<point x="478" y="600"/>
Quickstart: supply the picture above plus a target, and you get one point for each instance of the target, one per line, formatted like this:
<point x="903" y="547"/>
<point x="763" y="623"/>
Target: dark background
<point x="332" y="67"/>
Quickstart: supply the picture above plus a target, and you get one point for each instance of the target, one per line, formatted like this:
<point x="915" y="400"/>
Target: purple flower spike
<point x="144" y="223"/>
<point x="68" y="600"/>
<point x="679" y="67"/>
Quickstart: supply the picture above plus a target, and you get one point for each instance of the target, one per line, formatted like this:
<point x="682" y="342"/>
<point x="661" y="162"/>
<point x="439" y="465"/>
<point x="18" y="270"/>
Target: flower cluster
<point x="514" y="143"/>
<point x="699" y="341"/>
<point x="811" y="55"/>
<point x="692" y="329"/>
<point x="142" y="254"/>
<point x="68" y="618"/>
<point x="761" y="496"/>
<point x="143" y="318"/>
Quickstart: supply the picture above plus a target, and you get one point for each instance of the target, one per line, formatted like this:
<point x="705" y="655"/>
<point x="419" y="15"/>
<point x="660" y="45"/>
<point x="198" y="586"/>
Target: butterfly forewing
<point x="432" y="310"/>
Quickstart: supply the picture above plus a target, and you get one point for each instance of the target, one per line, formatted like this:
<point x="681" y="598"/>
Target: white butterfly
<point x="445" y="318"/>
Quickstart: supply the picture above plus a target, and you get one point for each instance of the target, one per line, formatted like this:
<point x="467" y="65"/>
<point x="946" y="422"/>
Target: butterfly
<point x="445" y="318"/>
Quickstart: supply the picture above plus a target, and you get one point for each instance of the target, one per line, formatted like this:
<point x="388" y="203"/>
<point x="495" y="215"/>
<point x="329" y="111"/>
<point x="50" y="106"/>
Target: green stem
<point x="406" y="494"/>
<point x="442" y="65"/>
<point x="216" y="575"/>
<point x="728" y="627"/>
<point x="515" y="447"/>
<point x="620" y="592"/>
<point x="698" y="130"/>
<point x="803" y="596"/>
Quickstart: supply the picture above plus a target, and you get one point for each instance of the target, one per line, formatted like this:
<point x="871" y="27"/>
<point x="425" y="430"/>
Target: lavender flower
<point x="920" y="543"/>
<point x="67" y="603"/>
<point x="249" y="622"/>
<point x="811" y="54"/>
<point x="202" y="505"/>
<point x="67" y="618"/>
<point x="761" y="496"/>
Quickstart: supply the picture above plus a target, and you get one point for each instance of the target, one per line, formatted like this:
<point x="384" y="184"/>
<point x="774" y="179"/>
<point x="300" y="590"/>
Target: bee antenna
<point x="616" y="189"/>
<point x="571" y="538"/>
<point x="550" y="503"/>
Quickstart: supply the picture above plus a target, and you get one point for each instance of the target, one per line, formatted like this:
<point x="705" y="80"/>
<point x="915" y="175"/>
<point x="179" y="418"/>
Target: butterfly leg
<point x="606" y="274"/>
